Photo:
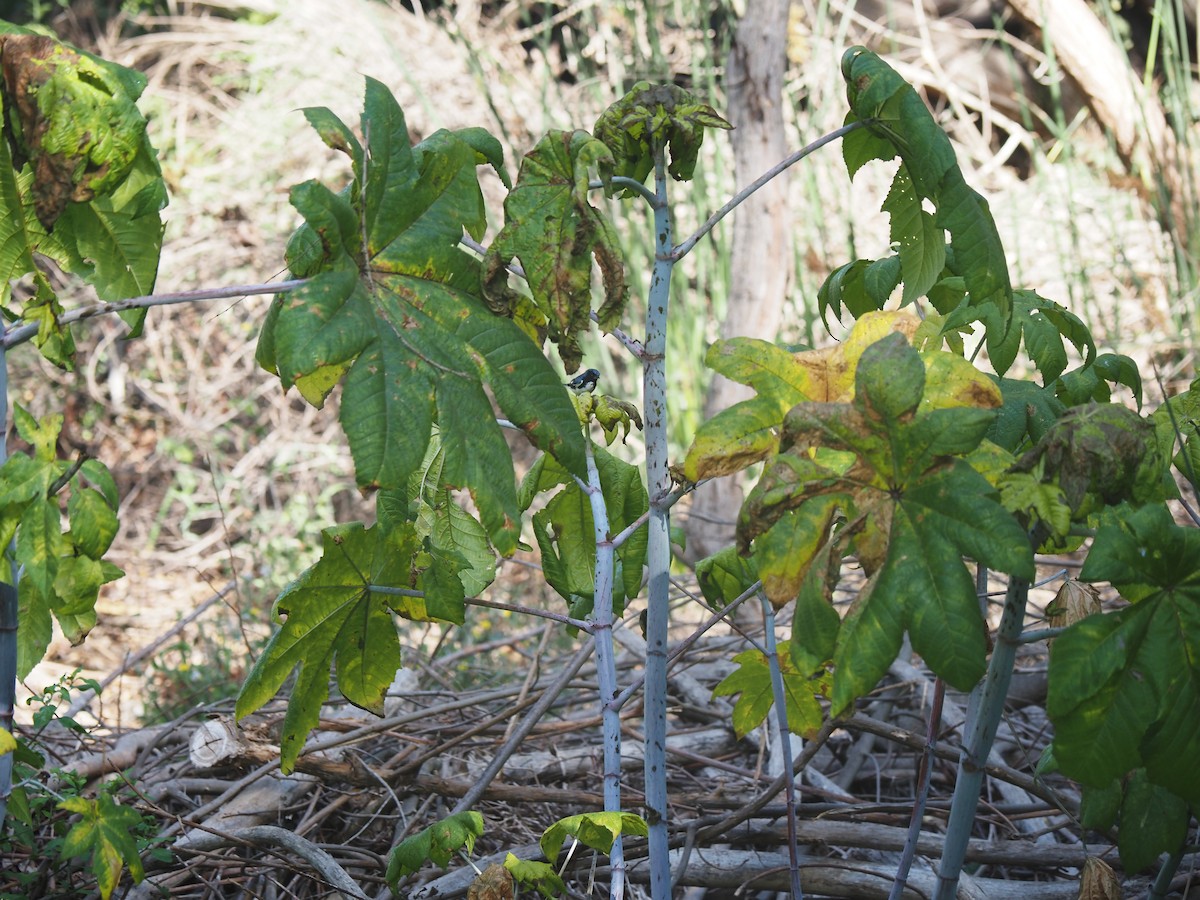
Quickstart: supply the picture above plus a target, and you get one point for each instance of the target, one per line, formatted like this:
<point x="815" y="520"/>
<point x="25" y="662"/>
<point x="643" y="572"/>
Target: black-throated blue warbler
<point x="584" y="381"/>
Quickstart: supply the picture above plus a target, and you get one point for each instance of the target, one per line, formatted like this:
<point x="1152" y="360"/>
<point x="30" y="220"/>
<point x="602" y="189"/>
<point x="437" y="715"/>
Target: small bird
<point x="584" y="381"/>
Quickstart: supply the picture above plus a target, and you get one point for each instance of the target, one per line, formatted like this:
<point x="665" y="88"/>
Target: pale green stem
<point x="983" y="718"/>
<point x="606" y="664"/>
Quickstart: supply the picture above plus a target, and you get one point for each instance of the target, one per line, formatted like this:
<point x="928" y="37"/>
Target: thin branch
<point x="531" y="611"/>
<point x="684" y="248"/>
<point x="23" y="333"/>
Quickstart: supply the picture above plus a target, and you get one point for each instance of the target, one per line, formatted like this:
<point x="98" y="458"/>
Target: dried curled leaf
<point x="1073" y="602"/>
<point x="1098" y="881"/>
<point x="494" y="883"/>
<point x="70" y="118"/>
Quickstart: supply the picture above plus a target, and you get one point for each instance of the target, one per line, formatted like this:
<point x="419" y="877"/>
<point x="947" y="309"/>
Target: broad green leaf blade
<point x="626" y="500"/>
<point x="335" y="616"/>
<point x="867" y="644"/>
<point x="752" y="681"/>
<point x="597" y="830"/>
<point x="334" y="132"/>
<point x="877" y="93"/>
<point x="564" y="531"/>
<point x="388" y="170"/>
<point x="93" y="522"/>
<point x="1153" y="822"/>
<point x="959" y="505"/>
<point x="539" y="875"/>
<point x="1105" y="689"/>
<point x="122" y="234"/>
<point x="437" y="844"/>
<point x="37" y="627"/>
<point x="40" y="544"/>
<point x="453" y="531"/>
<point x="863" y="146"/>
<point x="772" y="371"/>
<point x="105" y="833"/>
<point x="815" y="623"/>
<point x="725" y="576"/>
<point x="890" y="379"/>
<point x="925" y="575"/>
<point x="323" y="326"/>
<point x="477" y="457"/>
<point x="921" y="243"/>
<point x="525" y="385"/>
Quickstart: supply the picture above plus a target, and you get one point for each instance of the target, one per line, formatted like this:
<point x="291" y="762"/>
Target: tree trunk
<point x="762" y="251"/>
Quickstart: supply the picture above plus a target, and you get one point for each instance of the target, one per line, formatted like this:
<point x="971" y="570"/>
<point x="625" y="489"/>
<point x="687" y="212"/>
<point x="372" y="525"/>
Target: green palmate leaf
<point x="649" y="117"/>
<point x="79" y="181"/>
<point x="339" y="612"/>
<point x="1153" y="822"/>
<point x="901" y="125"/>
<point x="1042" y="324"/>
<point x="557" y="235"/>
<point x="565" y="536"/>
<point x="1092" y="382"/>
<point x="725" y="576"/>
<point x="104" y="833"/>
<point x="888" y="461"/>
<point x="597" y="830"/>
<point x="752" y="681"/>
<point x="1027" y="413"/>
<point x="1125" y="687"/>
<point x="538" y="875"/>
<point x="436" y="844"/>
<point x="402" y="322"/>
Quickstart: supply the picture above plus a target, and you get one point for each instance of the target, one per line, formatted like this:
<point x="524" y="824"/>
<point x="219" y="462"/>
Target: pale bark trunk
<point x="762" y="250"/>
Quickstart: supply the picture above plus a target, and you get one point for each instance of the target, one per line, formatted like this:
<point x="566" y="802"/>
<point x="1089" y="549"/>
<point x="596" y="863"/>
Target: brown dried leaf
<point x="495" y="883"/>
<point x="1074" y="601"/>
<point x="1098" y="881"/>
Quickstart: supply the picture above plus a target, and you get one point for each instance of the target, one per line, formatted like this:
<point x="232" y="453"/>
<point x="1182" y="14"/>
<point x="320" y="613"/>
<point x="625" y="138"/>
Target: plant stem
<point x="785" y="742"/>
<point x="1162" y="881"/>
<point x="923" y="779"/>
<point x="985" y="709"/>
<point x="9" y="616"/>
<point x="658" y="552"/>
<point x="606" y="664"/>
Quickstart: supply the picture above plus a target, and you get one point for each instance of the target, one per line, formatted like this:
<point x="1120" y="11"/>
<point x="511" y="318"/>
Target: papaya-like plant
<point x="894" y="448"/>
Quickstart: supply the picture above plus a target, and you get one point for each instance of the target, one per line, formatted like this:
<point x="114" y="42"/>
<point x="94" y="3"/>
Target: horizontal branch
<point x="22" y="333"/>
